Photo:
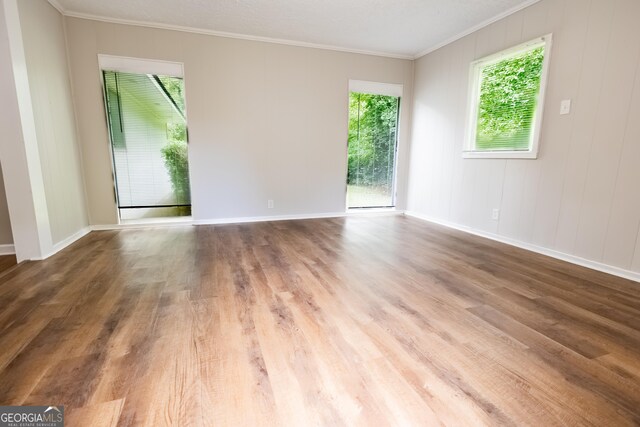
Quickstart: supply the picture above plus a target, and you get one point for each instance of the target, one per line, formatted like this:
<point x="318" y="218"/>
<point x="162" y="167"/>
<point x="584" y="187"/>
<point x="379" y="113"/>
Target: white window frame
<point x="126" y="64"/>
<point x="377" y="88"/>
<point x="470" y="151"/>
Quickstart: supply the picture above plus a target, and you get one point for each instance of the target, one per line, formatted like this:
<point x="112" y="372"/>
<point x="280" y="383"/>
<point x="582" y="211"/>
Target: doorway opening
<point x="372" y="147"/>
<point x="149" y="144"/>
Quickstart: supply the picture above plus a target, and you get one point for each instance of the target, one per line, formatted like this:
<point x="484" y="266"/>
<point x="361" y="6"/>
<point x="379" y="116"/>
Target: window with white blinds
<point x="147" y="124"/>
<point x="507" y="91"/>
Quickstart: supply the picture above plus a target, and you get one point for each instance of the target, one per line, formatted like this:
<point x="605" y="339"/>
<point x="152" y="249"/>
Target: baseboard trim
<point x="246" y="220"/>
<point x="243" y="220"/>
<point x="249" y="219"/>
<point x="7" y="250"/>
<point x="64" y="243"/>
<point x="594" y="265"/>
<point x="135" y="225"/>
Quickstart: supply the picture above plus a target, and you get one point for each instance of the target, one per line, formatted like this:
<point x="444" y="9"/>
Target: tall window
<point x="148" y="129"/>
<point x="373" y="131"/>
<point x="505" y="108"/>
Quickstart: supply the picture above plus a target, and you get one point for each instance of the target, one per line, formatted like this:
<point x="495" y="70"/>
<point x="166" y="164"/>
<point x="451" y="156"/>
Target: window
<point x="506" y="101"/>
<point x="373" y="133"/>
<point x="147" y="121"/>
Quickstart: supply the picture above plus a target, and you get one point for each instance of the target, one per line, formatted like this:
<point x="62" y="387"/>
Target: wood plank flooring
<point x="367" y="321"/>
<point x="6" y="262"/>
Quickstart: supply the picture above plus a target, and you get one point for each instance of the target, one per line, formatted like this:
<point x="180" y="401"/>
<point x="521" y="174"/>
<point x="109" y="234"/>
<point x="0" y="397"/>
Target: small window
<point x="507" y="97"/>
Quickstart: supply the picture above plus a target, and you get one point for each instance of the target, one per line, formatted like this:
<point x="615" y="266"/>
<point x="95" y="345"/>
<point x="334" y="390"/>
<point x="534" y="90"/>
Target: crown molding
<point x="475" y="28"/>
<point x="195" y="30"/>
<point x="233" y="35"/>
<point x="58" y="6"/>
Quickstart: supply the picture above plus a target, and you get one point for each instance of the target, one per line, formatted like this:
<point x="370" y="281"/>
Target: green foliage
<point x="175" y="153"/>
<point x="177" y="132"/>
<point x="176" y="160"/>
<point x="175" y="87"/>
<point x="508" y="100"/>
<point x="373" y="122"/>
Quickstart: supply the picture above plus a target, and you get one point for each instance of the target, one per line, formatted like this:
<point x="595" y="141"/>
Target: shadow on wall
<point x="6" y="237"/>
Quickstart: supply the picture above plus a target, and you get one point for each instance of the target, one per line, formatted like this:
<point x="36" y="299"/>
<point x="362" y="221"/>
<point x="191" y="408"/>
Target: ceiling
<point x="402" y="28"/>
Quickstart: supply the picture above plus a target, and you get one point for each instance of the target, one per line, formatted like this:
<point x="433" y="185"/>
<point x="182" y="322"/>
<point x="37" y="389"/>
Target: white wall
<point x="48" y="74"/>
<point x="6" y="237"/>
<point x="19" y="155"/>
<point x="266" y="121"/>
<point x="581" y="196"/>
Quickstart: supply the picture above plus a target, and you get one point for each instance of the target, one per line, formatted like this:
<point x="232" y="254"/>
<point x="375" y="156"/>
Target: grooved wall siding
<point x="53" y="109"/>
<point x="581" y="196"/>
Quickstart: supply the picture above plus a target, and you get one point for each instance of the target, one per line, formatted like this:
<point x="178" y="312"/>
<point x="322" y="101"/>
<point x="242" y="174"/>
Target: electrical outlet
<point x="269" y="204"/>
<point x="495" y="214"/>
<point x="565" y="107"/>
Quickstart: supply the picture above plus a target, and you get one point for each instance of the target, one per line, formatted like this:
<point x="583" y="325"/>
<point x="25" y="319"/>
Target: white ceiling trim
<point x="476" y="28"/>
<point x="194" y="30"/>
<point x="231" y="35"/>
<point x="57" y="5"/>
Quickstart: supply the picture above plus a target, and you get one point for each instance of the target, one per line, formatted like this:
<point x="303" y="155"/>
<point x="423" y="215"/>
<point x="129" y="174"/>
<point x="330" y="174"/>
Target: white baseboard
<point x="133" y="225"/>
<point x="64" y="243"/>
<point x="241" y="220"/>
<point x="594" y="265"/>
<point x="247" y="219"/>
<point x="7" y="250"/>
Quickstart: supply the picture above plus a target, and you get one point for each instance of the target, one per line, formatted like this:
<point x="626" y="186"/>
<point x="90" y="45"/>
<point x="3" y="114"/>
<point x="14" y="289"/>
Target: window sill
<point x="529" y="155"/>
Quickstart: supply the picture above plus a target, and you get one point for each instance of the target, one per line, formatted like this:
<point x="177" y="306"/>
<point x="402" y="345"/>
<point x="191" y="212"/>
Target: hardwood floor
<point x="359" y="321"/>
<point x="6" y="262"/>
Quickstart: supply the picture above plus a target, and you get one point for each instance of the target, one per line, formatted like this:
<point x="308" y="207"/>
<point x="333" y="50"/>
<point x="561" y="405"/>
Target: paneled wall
<point x="581" y="196"/>
<point x="48" y="72"/>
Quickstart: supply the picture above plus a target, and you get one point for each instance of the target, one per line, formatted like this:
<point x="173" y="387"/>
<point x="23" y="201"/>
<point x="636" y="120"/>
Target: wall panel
<point x="580" y="196"/>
